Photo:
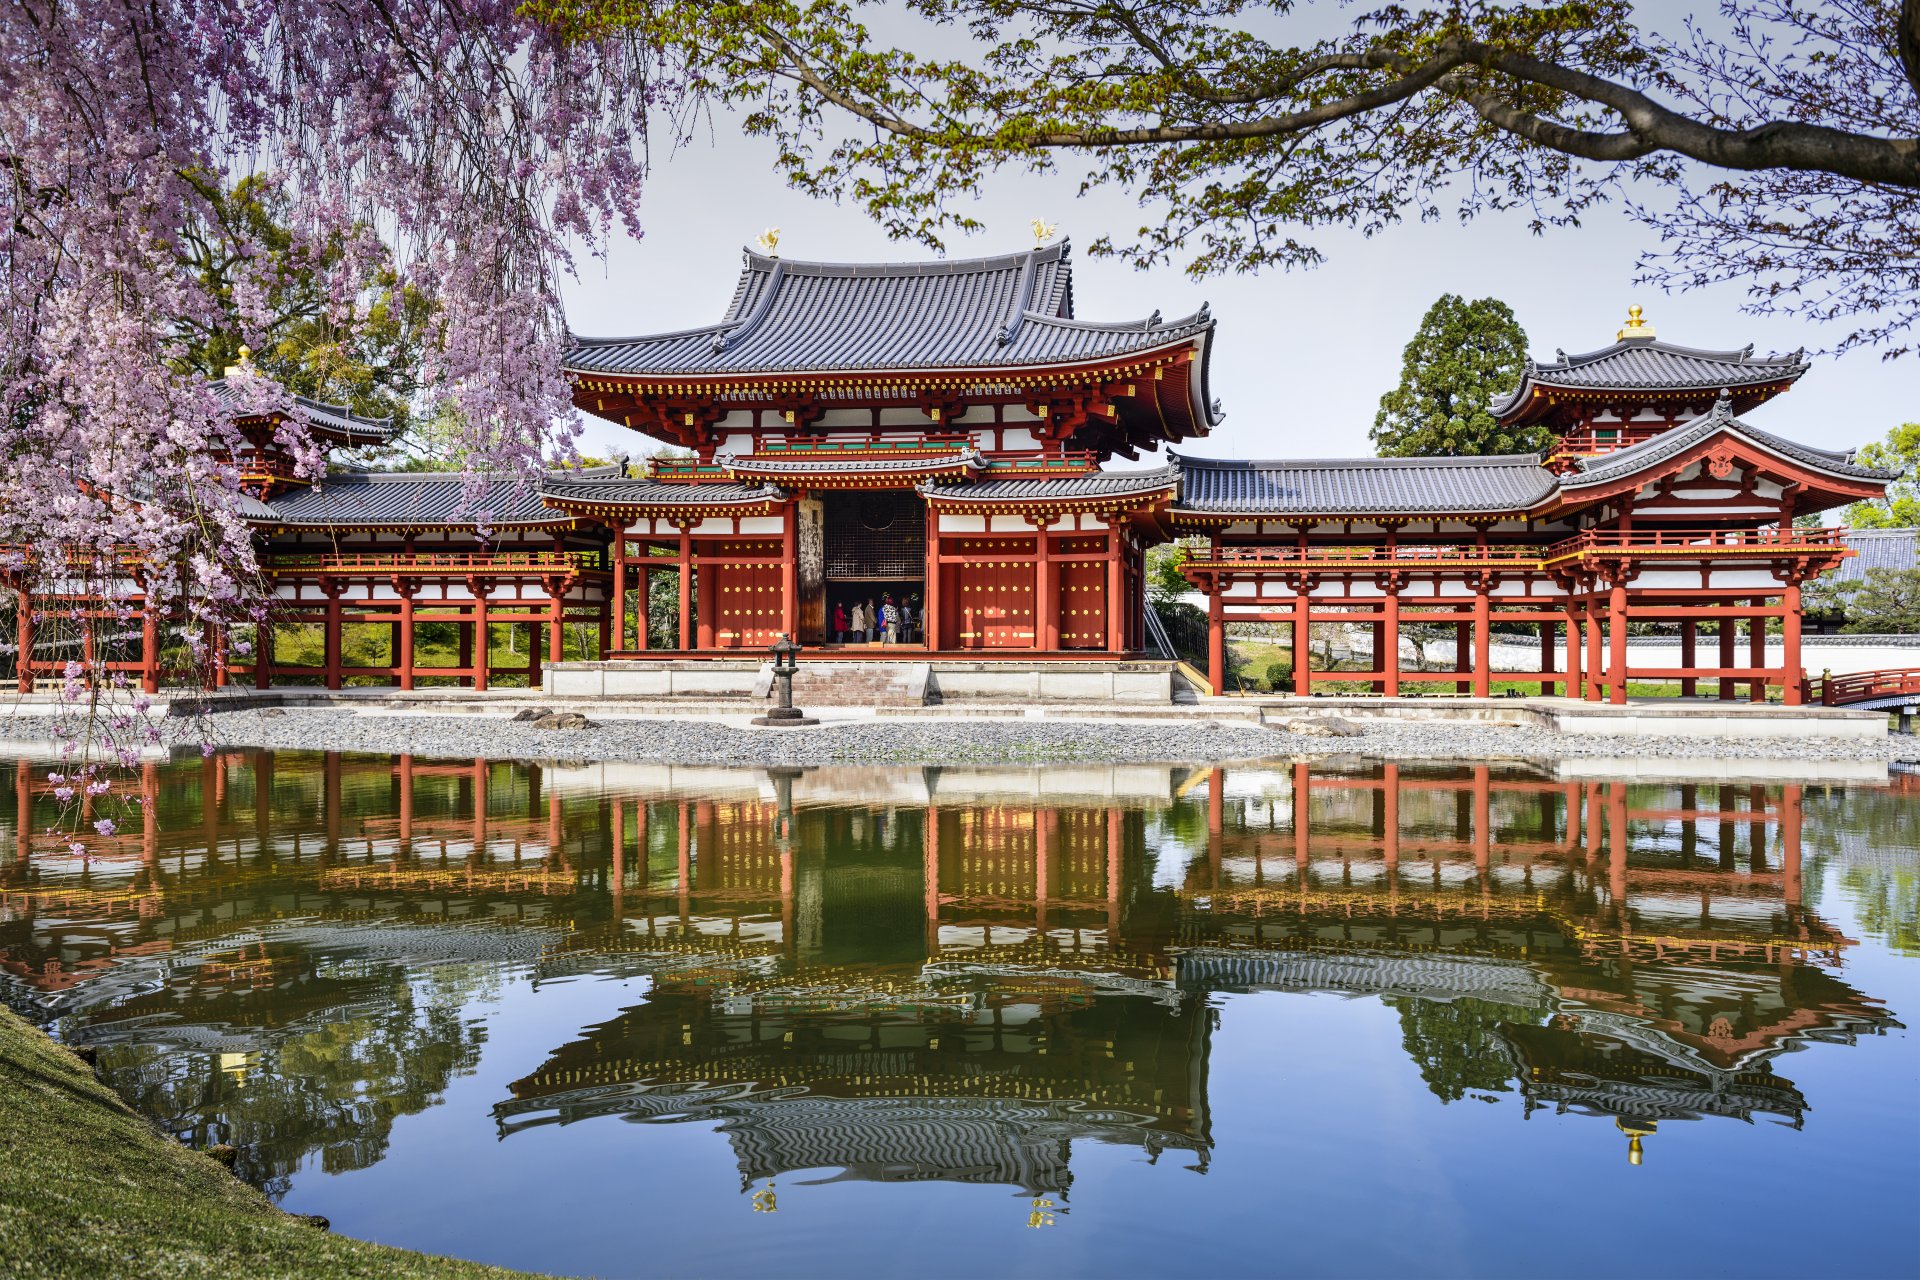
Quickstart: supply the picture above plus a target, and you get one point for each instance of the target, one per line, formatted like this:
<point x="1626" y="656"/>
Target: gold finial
<point x="1635" y="1131"/>
<point x="246" y="362"/>
<point x="769" y="242"/>
<point x="1636" y="327"/>
<point x="1042" y="1214"/>
<point x="1043" y="231"/>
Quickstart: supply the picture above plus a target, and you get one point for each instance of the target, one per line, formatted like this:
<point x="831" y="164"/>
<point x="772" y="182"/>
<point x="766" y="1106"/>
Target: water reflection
<point x="941" y="974"/>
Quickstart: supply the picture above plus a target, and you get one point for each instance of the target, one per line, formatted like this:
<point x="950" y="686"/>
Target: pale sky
<point x="1300" y="359"/>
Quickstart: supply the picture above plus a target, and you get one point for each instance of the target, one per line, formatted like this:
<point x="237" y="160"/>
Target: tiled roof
<point x="1879" y="549"/>
<point x="1098" y="484"/>
<point x="790" y="316"/>
<point x="1624" y="462"/>
<point x="334" y="418"/>
<point x="388" y="500"/>
<point x="1356" y="486"/>
<point x="658" y="493"/>
<point x="1648" y="364"/>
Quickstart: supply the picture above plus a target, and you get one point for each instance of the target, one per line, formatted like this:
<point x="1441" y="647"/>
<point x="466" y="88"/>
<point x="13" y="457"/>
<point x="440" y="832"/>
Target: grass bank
<point x="89" y="1189"/>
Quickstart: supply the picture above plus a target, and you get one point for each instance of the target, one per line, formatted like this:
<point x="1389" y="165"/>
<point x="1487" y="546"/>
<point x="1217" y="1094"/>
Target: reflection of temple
<point x="914" y="974"/>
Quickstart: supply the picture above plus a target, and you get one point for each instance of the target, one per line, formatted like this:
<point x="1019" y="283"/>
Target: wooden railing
<point x="436" y="562"/>
<point x="1663" y="543"/>
<point x="1861" y="686"/>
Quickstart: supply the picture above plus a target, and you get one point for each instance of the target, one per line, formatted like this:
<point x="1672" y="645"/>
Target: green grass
<point x="89" y="1189"/>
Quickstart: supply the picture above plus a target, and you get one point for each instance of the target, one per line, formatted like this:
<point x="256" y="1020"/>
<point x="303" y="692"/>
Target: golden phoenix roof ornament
<point x="769" y="242"/>
<point x="1043" y="231"/>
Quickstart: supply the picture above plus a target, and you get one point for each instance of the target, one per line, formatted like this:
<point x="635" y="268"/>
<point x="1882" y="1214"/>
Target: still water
<point x="1328" y="1020"/>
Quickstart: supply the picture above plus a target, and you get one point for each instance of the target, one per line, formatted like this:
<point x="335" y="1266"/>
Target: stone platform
<point x="1677" y="717"/>
<point x="906" y="681"/>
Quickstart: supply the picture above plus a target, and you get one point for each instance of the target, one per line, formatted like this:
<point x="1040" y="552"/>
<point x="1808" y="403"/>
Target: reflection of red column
<point x="1116" y="846"/>
<point x="1617" y="859"/>
<point x="406" y="804"/>
<point x="1790" y="844"/>
<point x="617" y="877"/>
<point x="1593" y="821"/>
<point x="1043" y="833"/>
<point x="150" y="818"/>
<point x="1390" y="823"/>
<point x="786" y="893"/>
<point x="1482" y="824"/>
<point x="1216" y="820"/>
<point x="930" y="849"/>
<point x="1302" y="819"/>
<point x="684" y="863"/>
<point x="23" y="812"/>
<point x="479" y="807"/>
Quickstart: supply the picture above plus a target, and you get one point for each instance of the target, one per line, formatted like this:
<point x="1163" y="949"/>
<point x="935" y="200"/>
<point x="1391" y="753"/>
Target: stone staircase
<point x="852" y="684"/>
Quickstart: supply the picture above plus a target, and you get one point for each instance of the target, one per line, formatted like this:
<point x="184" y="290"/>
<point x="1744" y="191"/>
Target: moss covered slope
<point x="88" y="1188"/>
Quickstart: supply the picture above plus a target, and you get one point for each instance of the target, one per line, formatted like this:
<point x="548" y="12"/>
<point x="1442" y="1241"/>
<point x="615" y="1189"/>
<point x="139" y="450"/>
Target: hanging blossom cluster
<point x="470" y="145"/>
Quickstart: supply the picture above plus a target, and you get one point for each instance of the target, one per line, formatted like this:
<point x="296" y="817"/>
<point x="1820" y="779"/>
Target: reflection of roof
<point x="333" y="418"/>
<point x="991" y="1140"/>
<point x="1427" y="975"/>
<point x="1337" y="486"/>
<point x="1647" y="364"/>
<point x="786" y="315"/>
<point x="1622" y="463"/>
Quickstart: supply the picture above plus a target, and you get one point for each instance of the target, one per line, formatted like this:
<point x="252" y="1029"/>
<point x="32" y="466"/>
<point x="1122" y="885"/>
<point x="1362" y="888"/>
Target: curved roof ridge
<point x="1464" y="460"/>
<point x="1148" y="324"/>
<point x="697" y="331"/>
<point x="1741" y="355"/>
<point x="1055" y="252"/>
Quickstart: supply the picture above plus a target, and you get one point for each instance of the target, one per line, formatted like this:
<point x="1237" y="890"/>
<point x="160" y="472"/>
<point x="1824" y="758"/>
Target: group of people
<point x="885" y="622"/>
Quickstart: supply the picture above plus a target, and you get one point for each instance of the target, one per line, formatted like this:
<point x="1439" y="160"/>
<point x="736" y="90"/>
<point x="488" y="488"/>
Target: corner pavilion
<point x="942" y="434"/>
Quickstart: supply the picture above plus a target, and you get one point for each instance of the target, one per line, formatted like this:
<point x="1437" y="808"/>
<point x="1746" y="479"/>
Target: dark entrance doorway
<point x="876" y="550"/>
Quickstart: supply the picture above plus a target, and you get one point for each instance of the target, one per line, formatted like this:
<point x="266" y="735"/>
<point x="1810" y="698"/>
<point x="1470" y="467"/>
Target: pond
<point x="1340" y="1019"/>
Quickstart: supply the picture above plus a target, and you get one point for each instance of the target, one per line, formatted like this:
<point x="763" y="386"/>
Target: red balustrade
<point x="454" y="562"/>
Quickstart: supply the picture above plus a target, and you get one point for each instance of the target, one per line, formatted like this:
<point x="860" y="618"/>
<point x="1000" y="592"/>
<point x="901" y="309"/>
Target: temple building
<point x="946" y="446"/>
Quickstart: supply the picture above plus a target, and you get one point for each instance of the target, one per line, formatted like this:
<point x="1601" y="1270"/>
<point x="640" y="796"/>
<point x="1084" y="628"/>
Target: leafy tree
<point x="1165" y="583"/>
<point x="1883" y="602"/>
<point x="1463" y="356"/>
<point x="1244" y="122"/>
<point x="363" y="351"/>
<point x="1900" y="509"/>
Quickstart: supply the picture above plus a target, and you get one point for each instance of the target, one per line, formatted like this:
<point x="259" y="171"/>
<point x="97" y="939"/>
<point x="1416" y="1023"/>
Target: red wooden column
<point x="23" y="675"/>
<point x="1575" y="678"/>
<point x="150" y="650"/>
<point x="1727" y="626"/>
<point x="263" y="653"/>
<point x="403" y="656"/>
<point x="533" y="653"/>
<point x="1617" y="644"/>
<point x="1689" y="657"/>
<point x="790" y="571"/>
<point x="1547" y="647"/>
<point x="1302" y="638"/>
<point x="686" y="586"/>
<point x="1046" y="612"/>
<point x="931" y="623"/>
<point x="1596" y="672"/>
<point x="331" y="632"/>
<point x="620" y="586"/>
<point x="1791" y="674"/>
<point x="1462" y="654"/>
<point x="557" y="621"/>
<point x="1483" y="638"/>
<point x="1116" y="585"/>
<point x="1216" y="639"/>
<point x="1757" y="651"/>
<point x="1386" y="645"/>
<point x="480" y="657"/>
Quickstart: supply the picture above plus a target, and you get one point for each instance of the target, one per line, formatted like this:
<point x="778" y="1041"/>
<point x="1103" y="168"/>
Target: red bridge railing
<point x="1862" y="686"/>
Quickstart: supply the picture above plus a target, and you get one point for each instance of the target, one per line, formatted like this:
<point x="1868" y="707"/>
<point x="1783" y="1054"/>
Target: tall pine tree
<point x="1465" y="354"/>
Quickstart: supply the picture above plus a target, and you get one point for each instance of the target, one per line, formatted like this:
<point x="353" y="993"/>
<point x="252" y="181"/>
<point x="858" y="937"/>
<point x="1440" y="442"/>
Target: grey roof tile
<point x="359" y="499"/>
<point x="1098" y="484"/>
<point x="1648" y="364"/>
<point x="791" y="316"/>
<point x="1878" y="549"/>
<point x="658" y="493"/>
<point x="1608" y="467"/>
<point x="1362" y="486"/>
<point x="334" y="418"/>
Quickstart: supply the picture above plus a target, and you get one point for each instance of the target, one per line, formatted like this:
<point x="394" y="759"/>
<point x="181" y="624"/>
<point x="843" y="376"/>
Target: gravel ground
<point x="952" y="741"/>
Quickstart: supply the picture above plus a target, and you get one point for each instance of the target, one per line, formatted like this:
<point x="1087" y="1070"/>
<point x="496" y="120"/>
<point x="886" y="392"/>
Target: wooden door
<point x="747" y="607"/>
<point x="1082" y="603"/>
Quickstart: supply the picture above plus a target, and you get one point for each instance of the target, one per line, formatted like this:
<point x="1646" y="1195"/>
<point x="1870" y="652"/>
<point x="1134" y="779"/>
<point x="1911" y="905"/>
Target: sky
<point x="1300" y="359"/>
